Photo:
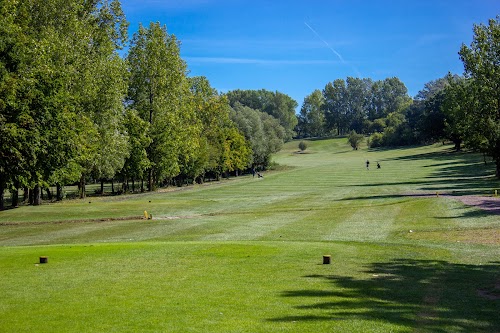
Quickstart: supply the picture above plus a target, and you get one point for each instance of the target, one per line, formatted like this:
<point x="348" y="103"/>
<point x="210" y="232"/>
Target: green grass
<point x="245" y="254"/>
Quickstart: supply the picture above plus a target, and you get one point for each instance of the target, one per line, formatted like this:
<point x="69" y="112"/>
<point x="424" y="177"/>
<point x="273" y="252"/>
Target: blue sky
<point x="296" y="47"/>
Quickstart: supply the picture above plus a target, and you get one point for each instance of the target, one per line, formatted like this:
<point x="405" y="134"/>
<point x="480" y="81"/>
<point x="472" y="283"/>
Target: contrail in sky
<point x="324" y="41"/>
<point x="332" y="49"/>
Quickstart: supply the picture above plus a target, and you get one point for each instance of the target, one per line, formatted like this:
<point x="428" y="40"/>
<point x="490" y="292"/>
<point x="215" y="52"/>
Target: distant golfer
<point x="367" y="165"/>
<point x="378" y="165"/>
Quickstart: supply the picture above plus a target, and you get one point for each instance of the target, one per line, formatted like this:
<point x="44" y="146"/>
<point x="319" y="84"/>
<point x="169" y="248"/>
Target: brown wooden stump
<point x="327" y="260"/>
<point x="44" y="260"/>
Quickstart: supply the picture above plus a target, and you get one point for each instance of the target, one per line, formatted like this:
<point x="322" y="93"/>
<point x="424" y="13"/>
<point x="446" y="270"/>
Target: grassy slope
<point x="245" y="255"/>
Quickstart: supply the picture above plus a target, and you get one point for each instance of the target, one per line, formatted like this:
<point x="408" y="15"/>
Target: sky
<point x="296" y="47"/>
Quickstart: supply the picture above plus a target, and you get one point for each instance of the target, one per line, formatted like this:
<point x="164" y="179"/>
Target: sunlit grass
<point x="245" y="254"/>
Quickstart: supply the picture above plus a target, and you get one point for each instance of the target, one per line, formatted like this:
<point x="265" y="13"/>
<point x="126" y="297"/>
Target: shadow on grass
<point x="458" y="173"/>
<point x="431" y="296"/>
<point x="484" y="207"/>
<point x="452" y="164"/>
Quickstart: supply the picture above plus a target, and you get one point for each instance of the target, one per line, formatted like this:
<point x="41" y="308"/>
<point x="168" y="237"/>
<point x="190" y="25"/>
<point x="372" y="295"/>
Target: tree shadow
<point x="452" y="164"/>
<point x="456" y="173"/>
<point x="431" y="296"/>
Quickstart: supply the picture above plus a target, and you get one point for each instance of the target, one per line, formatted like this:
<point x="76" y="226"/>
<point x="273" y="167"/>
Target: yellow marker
<point x="146" y="215"/>
<point x="437" y="194"/>
<point x="496" y="193"/>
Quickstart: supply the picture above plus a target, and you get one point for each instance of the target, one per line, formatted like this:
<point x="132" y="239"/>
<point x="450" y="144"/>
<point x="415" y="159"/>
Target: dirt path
<point x="490" y="204"/>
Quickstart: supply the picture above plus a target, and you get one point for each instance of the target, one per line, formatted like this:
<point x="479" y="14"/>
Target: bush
<point x="302" y="145"/>
<point x="376" y="140"/>
<point x="355" y="139"/>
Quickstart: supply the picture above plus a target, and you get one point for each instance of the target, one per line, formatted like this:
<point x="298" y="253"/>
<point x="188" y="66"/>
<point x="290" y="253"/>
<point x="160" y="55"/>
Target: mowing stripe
<point x="367" y="224"/>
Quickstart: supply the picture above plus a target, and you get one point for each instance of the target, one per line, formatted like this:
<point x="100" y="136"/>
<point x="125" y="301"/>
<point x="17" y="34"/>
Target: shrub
<point x="302" y="145"/>
<point x="355" y="139"/>
<point x="376" y="140"/>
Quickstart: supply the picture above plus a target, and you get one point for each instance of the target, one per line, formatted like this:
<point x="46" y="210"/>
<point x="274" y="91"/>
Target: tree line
<point x="73" y="110"/>
<point x="463" y="109"/>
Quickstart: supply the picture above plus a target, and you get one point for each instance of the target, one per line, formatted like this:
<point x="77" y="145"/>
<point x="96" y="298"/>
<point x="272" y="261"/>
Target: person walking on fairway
<point x="367" y="165"/>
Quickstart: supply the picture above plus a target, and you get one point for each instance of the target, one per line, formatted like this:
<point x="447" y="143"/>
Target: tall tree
<point x="65" y="74"/>
<point x="282" y="107"/>
<point x="458" y="102"/>
<point x="157" y="90"/>
<point x="261" y="130"/>
<point x="276" y="104"/>
<point x="102" y="88"/>
<point x="395" y="95"/>
<point x="14" y="125"/>
<point x="426" y="117"/>
<point x="357" y="102"/>
<point x="376" y="106"/>
<point x="312" y="118"/>
<point x="212" y="114"/>
<point x="335" y="106"/>
<point x="482" y="63"/>
<point x="137" y="163"/>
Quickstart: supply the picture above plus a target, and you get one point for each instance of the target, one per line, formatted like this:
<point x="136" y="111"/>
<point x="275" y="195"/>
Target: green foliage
<point x="422" y="121"/>
<point x="156" y="89"/>
<point x="237" y="151"/>
<point x="355" y="139"/>
<point x="376" y="140"/>
<point x="61" y="58"/>
<point x="302" y="145"/>
<point x="482" y="64"/>
<point x="378" y="125"/>
<point x="137" y="163"/>
<point x="108" y="268"/>
<point x="223" y="147"/>
<point x="354" y="104"/>
<point x="276" y="104"/>
<point x="458" y="99"/>
<point x="312" y="119"/>
<point x="262" y="131"/>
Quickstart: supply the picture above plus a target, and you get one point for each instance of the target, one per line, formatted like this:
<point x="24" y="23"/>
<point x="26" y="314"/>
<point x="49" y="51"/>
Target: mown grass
<point x="245" y="254"/>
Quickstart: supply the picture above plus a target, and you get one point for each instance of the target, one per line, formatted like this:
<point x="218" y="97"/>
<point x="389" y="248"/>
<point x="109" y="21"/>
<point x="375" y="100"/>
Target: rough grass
<point x="244" y="255"/>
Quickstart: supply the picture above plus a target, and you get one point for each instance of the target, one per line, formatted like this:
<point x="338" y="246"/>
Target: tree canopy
<point x="482" y="65"/>
<point x="73" y="109"/>
<point x="351" y="104"/>
<point x="276" y="104"/>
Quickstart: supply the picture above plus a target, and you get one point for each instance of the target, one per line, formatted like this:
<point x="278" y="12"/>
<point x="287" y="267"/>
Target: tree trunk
<point x="2" y="190"/>
<point x="31" y="198"/>
<point x="59" y="196"/>
<point x="102" y="186"/>
<point x="26" y="194"/>
<point x="133" y="185"/>
<point x="82" y="187"/>
<point x="142" y="185"/>
<point x="15" y="197"/>
<point x="498" y="168"/>
<point x="112" y="185"/>
<point x="37" y="196"/>
<point x="150" y="180"/>
<point x="49" y="194"/>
